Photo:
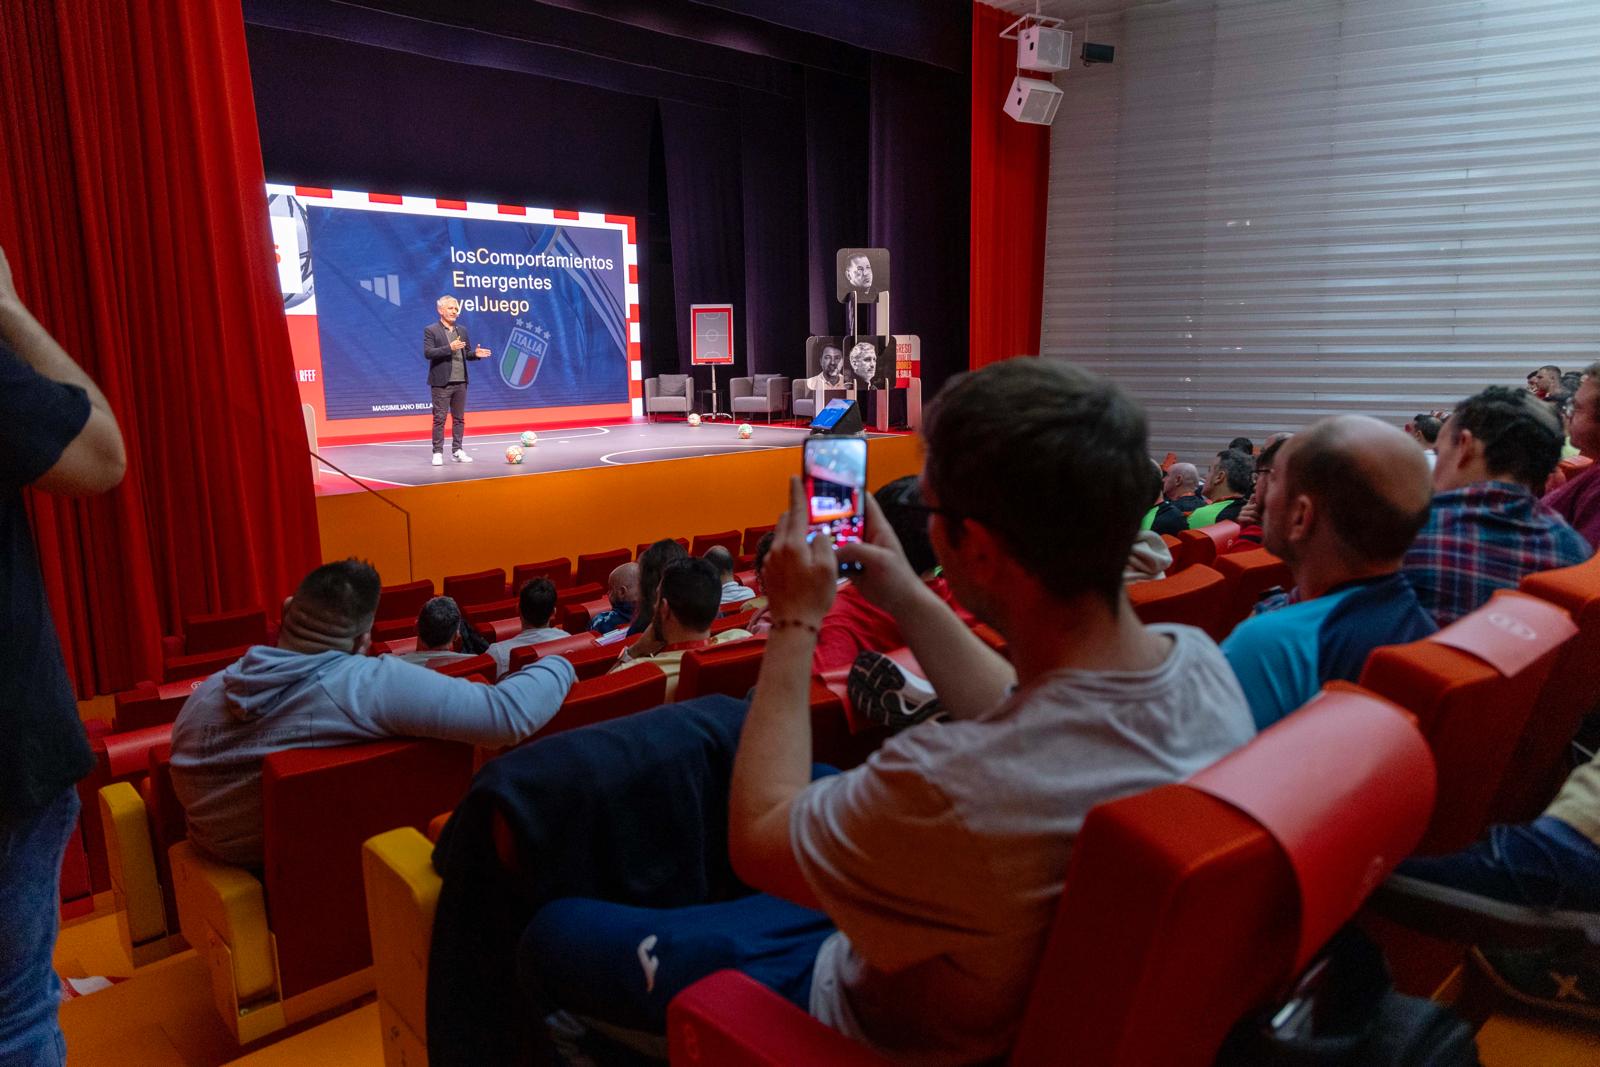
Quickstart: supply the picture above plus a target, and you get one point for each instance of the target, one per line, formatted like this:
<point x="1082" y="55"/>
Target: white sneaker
<point x="438" y="459"/>
<point x="462" y="457"/>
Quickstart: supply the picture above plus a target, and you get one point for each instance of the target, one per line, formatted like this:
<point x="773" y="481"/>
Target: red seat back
<point x="594" y="568"/>
<point x="167" y="823"/>
<point x="558" y="570"/>
<point x="597" y="660"/>
<point x="752" y="538"/>
<point x="1183" y="912"/>
<point x="224" y="630"/>
<point x="182" y="668"/>
<point x="1222" y="534"/>
<point x="402" y="603"/>
<point x="1540" y="762"/>
<point x="142" y="706"/>
<point x="1193" y="596"/>
<point x="564" y="646"/>
<point x="493" y="611"/>
<point x="480" y="587"/>
<point x="1249" y="574"/>
<point x="1195" y="547"/>
<point x="610" y="696"/>
<point x="728" y="539"/>
<point x="1472" y="714"/>
<point x="730" y="669"/>
<point x="118" y="757"/>
<point x="317" y="806"/>
<point x="461" y="668"/>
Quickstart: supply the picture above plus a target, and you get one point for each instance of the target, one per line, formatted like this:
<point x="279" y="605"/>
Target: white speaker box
<point x="1044" y="48"/>
<point x="1033" y="100"/>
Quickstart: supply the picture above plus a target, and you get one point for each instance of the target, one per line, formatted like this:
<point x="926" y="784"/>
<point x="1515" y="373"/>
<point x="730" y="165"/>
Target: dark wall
<point x="748" y="156"/>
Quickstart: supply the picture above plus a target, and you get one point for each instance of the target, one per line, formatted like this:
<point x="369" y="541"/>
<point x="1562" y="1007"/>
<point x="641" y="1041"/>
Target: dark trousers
<point x="450" y="398"/>
<point x="1542" y="864"/>
<point x="31" y="848"/>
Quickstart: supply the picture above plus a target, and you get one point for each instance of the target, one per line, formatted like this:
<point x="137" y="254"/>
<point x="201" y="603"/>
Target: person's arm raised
<point x="96" y="459"/>
<point x="969" y="676"/>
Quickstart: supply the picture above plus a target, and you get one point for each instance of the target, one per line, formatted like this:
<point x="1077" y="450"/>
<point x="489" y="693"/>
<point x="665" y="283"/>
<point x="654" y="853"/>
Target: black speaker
<point x="1098" y="53"/>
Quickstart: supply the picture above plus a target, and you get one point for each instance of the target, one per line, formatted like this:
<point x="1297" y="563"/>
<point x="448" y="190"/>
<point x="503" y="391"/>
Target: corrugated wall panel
<point x="1267" y="211"/>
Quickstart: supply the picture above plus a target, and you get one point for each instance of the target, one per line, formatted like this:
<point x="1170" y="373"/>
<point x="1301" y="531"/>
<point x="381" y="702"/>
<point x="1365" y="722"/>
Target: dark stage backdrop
<point x="761" y="153"/>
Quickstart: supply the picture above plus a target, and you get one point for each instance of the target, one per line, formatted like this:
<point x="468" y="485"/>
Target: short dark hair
<point x="720" y="558"/>
<point x="438" y="622"/>
<point x="1520" y="435"/>
<point x="347" y="589"/>
<point x="1242" y="444"/>
<point x="1075" y="441"/>
<point x="901" y="504"/>
<point x="536" y="601"/>
<point x="652" y="562"/>
<point x="1570" y="381"/>
<point x="1372" y="527"/>
<point x="1269" y="455"/>
<point x="1428" y="427"/>
<point x="764" y="546"/>
<point x="1239" y="468"/>
<point x="1551" y="366"/>
<point x="694" y="590"/>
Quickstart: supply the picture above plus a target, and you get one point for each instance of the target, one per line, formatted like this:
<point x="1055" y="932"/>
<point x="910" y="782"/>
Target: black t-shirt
<point x="42" y="745"/>
<point x="1169" y="519"/>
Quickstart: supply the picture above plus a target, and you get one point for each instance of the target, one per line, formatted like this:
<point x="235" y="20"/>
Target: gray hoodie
<point x="274" y="698"/>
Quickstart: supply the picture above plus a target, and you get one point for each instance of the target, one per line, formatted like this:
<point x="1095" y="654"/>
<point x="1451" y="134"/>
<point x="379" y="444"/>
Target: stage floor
<point x="407" y="464"/>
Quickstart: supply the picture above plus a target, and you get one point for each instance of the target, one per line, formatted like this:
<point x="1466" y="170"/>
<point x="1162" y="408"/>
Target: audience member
<point x="1227" y="489"/>
<point x="317" y="688"/>
<point x="1424" y="430"/>
<point x="652" y="562"/>
<point x="760" y="620"/>
<point x="938" y="865"/>
<point x="1182" y="486"/>
<point x="1276" y="437"/>
<point x="1345" y="500"/>
<point x="1249" y="518"/>
<point x="1241" y="444"/>
<point x="733" y="591"/>
<point x="1545" y="381"/>
<point x="1561" y="411"/>
<point x="1570" y="380"/>
<point x="1578" y="501"/>
<point x="438" y="634"/>
<point x="685" y="609"/>
<point x="60" y="437"/>
<point x="1487" y="529"/>
<point x="622" y="588"/>
<point x="536" y="602"/>
<point x="854" y="624"/>
<point x="1165" y="517"/>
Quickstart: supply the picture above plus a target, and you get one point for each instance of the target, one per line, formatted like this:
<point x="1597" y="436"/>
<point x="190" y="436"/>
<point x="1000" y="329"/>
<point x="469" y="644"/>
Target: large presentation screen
<point x="553" y="295"/>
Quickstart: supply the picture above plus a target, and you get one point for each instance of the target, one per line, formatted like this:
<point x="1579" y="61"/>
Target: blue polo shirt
<point x="1283" y="657"/>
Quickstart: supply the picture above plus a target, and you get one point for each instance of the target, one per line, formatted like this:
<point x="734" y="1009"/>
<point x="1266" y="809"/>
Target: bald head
<point x="623" y="585"/>
<point x="1367" y="483"/>
<point x="1182" y="479"/>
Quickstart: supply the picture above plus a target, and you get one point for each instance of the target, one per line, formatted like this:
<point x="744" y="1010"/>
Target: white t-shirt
<point x="942" y="858"/>
<point x="501" y="650"/>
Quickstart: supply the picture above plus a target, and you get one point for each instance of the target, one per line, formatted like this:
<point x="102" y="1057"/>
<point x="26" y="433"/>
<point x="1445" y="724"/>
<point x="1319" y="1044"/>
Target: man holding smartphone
<point x="446" y="348"/>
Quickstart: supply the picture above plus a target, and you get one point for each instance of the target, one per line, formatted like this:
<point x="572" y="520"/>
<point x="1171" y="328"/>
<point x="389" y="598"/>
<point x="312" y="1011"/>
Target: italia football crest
<point x="524" y="354"/>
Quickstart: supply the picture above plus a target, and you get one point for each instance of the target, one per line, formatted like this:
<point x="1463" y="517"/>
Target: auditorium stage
<point x="407" y="464"/>
<point x="578" y="491"/>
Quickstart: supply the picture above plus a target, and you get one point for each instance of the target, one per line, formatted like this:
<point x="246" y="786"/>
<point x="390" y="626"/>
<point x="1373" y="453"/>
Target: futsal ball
<point x="529" y="438"/>
<point x="746" y="431"/>
<point x="694" y="420"/>
<point x="514" y="454"/>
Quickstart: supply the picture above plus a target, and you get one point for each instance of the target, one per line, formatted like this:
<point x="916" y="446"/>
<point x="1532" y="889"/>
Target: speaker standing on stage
<point x="447" y="350"/>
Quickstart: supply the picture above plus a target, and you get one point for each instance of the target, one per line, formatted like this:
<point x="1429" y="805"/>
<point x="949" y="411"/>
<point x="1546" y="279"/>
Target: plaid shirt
<point x="1485" y="537"/>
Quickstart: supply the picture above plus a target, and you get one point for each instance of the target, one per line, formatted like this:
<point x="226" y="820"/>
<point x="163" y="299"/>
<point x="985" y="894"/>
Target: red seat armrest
<point x="730" y="1019"/>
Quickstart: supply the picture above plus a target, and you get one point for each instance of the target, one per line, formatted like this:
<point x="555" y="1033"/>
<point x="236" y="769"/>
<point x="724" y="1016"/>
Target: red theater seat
<point x="728" y="539"/>
<point x="143" y="705"/>
<point x="224" y="630"/>
<point x="1472" y="713"/>
<point x="596" y="661"/>
<point x="118" y="757"/>
<point x="1193" y="596"/>
<point x="558" y="570"/>
<point x="730" y="669"/>
<point x="1249" y="575"/>
<point x="462" y="668"/>
<point x="471" y="590"/>
<point x="398" y="607"/>
<point x="752" y="539"/>
<point x="1222" y="534"/>
<point x="564" y="646"/>
<point x="1194" y="547"/>
<point x="1186" y="908"/>
<point x="594" y="568"/>
<point x="610" y="696"/>
<point x="183" y="668"/>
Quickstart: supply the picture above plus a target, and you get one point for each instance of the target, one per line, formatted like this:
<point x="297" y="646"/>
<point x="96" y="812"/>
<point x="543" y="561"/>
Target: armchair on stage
<point x="668" y="394"/>
<point x="759" y="394"/>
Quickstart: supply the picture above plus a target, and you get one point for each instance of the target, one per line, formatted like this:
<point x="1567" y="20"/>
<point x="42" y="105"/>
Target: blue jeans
<point x="31" y="849"/>
<point x="1542" y="864"/>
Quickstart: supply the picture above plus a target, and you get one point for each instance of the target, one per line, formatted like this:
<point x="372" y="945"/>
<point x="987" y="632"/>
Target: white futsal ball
<point x="746" y="431"/>
<point x="514" y="454"/>
<point x="529" y="438"/>
<point x="694" y="420"/>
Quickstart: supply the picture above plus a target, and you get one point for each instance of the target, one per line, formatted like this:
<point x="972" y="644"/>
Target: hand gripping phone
<point x="835" y="473"/>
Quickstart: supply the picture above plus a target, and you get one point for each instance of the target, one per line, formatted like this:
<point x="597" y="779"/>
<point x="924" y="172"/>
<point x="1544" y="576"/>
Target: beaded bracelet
<point x="782" y="624"/>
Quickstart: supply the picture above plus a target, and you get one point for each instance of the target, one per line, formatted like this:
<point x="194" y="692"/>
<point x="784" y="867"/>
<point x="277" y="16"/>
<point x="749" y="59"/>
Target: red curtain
<point x="1010" y="186"/>
<point x="135" y="219"/>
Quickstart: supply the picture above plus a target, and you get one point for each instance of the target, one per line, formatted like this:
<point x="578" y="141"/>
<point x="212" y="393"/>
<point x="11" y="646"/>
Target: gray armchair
<point x="805" y="402"/>
<point x="669" y="393"/>
<point x="758" y="394"/>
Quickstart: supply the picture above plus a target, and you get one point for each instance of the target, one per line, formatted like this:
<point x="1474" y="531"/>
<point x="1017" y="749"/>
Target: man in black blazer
<point x="446" y="348"/>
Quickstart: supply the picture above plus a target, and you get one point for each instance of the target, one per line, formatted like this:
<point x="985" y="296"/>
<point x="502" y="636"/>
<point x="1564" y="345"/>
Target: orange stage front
<point x="461" y="527"/>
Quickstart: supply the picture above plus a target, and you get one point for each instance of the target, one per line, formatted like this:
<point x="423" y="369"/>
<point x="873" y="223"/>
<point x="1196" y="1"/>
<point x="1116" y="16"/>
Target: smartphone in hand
<point x="835" y="475"/>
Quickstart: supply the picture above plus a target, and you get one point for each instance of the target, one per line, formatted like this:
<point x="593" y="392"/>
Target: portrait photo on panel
<point x="825" y="363"/>
<point x="863" y="271"/>
<point x="870" y="361"/>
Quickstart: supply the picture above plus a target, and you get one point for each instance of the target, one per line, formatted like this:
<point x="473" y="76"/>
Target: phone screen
<point x="835" y="470"/>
